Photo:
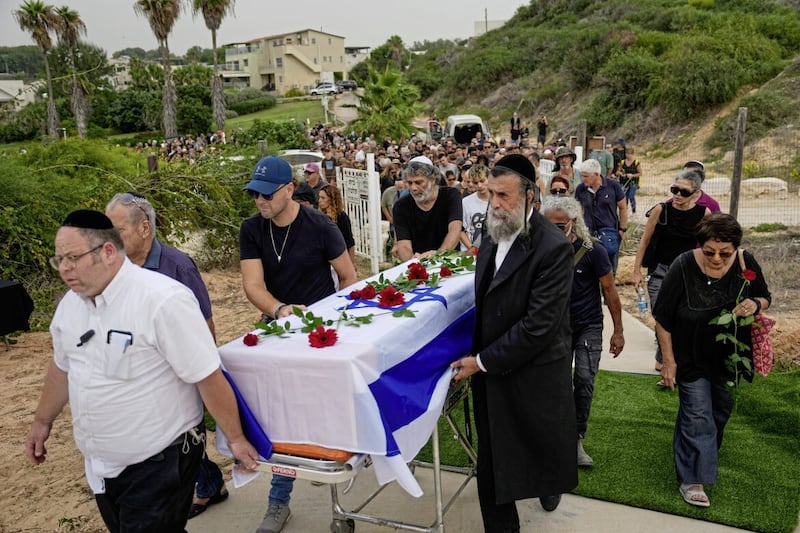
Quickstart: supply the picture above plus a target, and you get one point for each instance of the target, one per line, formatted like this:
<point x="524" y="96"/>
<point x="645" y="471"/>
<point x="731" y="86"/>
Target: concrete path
<point x="311" y="505"/>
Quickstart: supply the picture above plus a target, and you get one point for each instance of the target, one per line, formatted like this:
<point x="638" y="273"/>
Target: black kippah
<point x="87" y="219"/>
<point x="516" y="164"/>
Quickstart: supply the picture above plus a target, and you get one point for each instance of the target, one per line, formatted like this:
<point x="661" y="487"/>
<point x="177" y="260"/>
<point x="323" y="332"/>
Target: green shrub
<point x="246" y="107"/>
<point x="282" y="134"/>
<point x="294" y="92"/>
<point x="769" y="227"/>
<point x="765" y="111"/>
<point x="193" y="116"/>
<point x="627" y="77"/>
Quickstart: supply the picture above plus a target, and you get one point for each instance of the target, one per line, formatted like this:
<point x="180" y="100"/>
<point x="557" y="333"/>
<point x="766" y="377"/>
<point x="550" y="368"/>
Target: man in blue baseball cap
<point x="286" y="251"/>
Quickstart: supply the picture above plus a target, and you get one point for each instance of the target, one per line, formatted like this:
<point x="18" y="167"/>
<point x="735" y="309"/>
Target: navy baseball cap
<point x="270" y="173"/>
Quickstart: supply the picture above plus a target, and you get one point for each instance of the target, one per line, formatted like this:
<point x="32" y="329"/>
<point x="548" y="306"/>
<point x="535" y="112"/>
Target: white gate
<point x="362" y="203"/>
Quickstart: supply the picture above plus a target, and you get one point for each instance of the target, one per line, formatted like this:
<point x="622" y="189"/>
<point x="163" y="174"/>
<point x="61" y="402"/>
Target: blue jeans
<point x="209" y="479"/>
<point x="587" y="344"/>
<point x="704" y="408"/>
<point x="281" y="490"/>
<point x="630" y="194"/>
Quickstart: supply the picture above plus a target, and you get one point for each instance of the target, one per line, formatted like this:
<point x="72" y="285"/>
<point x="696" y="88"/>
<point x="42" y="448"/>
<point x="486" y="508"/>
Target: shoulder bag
<point x="762" y="342"/>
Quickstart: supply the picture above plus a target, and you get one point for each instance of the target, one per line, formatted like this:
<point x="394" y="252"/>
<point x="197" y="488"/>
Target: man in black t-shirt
<point x="428" y="219"/>
<point x="287" y="251"/>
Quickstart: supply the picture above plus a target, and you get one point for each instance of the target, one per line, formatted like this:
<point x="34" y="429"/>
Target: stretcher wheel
<point x="343" y="526"/>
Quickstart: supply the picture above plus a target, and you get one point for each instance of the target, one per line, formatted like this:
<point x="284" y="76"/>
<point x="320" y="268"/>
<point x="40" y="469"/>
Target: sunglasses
<point x="561" y="225"/>
<point x="268" y="197"/>
<point x="683" y="192"/>
<point x="712" y="253"/>
<point x="558" y="192"/>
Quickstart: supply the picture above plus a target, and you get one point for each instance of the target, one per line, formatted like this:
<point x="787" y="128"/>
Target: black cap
<point x="88" y="219"/>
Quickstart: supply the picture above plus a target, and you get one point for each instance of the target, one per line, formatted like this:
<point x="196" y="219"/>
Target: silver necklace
<point x="285" y="238"/>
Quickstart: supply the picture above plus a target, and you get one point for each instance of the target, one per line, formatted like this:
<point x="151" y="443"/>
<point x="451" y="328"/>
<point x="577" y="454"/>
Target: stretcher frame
<point x="333" y="472"/>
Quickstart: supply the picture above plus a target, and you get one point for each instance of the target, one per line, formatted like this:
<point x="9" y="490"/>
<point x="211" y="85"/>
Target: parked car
<point x="463" y="128"/>
<point x="346" y="85"/>
<point x="324" y="88"/>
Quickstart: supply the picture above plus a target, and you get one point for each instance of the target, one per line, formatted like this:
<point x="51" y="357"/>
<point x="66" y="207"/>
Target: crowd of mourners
<point x="542" y="226"/>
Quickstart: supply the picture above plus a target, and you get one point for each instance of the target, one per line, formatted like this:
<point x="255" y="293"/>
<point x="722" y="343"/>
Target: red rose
<point x="321" y="337"/>
<point x="417" y="271"/>
<point x="445" y="272"/>
<point x="355" y="295"/>
<point x="390" y="297"/>
<point x="749" y="275"/>
<point x="251" y="339"/>
<point x="474" y="250"/>
<point x="368" y="292"/>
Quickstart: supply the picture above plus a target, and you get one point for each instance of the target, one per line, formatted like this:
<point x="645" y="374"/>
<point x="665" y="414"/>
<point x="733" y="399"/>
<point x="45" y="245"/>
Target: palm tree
<point x="388" y="105"/>
<point x="213" y="13"/>
<point x="69" y="26"/>
<point x="161" y="15"/>
<point x="38" y="18"/>
<point x="396" y="49"/>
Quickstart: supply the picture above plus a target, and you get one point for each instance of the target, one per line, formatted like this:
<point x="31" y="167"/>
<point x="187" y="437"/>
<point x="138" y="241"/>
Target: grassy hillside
<point x="638" y="66"/>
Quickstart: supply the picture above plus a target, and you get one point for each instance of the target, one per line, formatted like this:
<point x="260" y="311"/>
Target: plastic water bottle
<point x="640" y="299"/>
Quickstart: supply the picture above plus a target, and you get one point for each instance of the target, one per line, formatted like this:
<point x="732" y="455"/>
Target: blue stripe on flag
<point x="404" y="391"/>
<point x="250" y="426"/>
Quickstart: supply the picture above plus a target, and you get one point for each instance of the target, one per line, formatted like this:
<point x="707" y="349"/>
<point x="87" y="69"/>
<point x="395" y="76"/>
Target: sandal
<point x="694" y="495"/>
<point x="200" y="508"/>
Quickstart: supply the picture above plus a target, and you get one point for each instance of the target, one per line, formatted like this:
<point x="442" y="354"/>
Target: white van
<point x="463" y="128"/>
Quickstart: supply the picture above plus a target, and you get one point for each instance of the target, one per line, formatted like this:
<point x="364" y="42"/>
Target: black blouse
<point x="688" y="300"/>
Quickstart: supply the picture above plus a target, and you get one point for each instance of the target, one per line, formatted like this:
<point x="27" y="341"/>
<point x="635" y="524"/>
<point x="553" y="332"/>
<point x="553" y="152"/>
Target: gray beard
<point x="501" y="229"/>
<point x="425" y="195"/>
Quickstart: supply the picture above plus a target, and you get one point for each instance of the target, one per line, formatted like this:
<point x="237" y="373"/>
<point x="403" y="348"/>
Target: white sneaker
<point x="583" y="457"/>
<point x="276" y="517"/>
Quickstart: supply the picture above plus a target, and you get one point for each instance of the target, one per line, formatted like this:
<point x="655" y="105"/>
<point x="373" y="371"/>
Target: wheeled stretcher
<point x="332" y="467"/>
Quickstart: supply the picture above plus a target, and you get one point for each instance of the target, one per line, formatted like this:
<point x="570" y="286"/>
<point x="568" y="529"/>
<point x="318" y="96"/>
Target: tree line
<point x="44" y="22"/>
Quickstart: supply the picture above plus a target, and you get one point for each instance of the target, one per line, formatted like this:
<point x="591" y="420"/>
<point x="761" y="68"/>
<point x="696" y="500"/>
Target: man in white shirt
<point x="134" y="358"/>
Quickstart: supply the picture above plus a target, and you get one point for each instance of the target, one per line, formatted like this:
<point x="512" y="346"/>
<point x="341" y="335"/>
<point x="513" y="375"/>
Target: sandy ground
<point x="54" y="496"/>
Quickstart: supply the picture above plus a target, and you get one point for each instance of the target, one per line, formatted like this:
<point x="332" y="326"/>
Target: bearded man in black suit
<point x="521" y="367"/>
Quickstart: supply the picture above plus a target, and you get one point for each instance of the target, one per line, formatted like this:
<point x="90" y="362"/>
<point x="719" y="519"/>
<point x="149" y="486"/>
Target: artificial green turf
<point x="630" y="440"/>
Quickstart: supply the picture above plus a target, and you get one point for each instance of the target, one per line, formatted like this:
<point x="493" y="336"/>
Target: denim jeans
<point x="703" y="410"/>
<point x="209" y="479"/>
<point x="587" y="344"/>
<point x="654" y="279"/>
<point x="281" y="489"/>
<point x="630" y="194"/>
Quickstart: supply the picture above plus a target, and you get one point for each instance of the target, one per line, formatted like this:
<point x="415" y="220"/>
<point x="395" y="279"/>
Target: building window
<point x="313" y="40"/>
<point x="279" y="62"/>
<point x="315" y="60"/>
<point x="288" y="40"/>
<point x="244" y="62"/>
<point x="329" y="40"/>
<point x="341" y="59"/>
<point x="280" y="79"/>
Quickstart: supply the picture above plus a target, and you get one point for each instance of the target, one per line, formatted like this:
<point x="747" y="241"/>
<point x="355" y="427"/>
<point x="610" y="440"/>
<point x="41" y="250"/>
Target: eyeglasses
<point x="561" y="225"/>
<point x="309" y="171"/>
<point x="268" y="197"/>
<point x="71" y="260"/>
<point x="558" y="192"/>
<point x="683" y="192"/>
<point x="721" y="254"/>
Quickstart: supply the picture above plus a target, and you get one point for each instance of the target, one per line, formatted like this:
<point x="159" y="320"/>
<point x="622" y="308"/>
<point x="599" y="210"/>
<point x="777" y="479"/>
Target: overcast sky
<point x="113" y="25"/>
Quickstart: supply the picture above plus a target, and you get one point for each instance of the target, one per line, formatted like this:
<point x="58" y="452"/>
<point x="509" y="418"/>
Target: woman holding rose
<point x="700" y="285"/>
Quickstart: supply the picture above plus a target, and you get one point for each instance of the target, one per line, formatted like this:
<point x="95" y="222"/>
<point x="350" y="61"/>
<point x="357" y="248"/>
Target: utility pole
<point x="485" y="20"/>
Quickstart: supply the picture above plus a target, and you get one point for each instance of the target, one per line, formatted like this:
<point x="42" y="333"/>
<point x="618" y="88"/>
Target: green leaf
<point x="297" y="312"/>
<point x="403" y="313"/>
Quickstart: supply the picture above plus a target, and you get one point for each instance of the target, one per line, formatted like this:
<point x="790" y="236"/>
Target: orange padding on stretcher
<point x="311" y="451"/>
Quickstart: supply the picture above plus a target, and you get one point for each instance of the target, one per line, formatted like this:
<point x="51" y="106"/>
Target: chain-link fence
<point x="769" y="191"/>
